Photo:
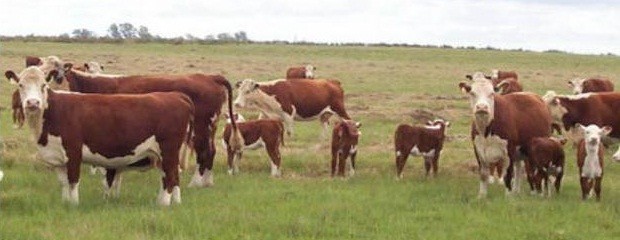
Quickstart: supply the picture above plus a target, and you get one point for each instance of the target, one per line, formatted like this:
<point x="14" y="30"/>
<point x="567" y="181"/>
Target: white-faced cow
<point x="345" y="137"/>
<point x="546" y="160"/>
<point x="302" y="100"/>
<point x="267" y="133"/>
<point x="586" y="85"/>
<point x="113" y="131"/>
<point x="208" y="92"/>
<point x="426" y="141"/>
<point x="502" y="127"/>
<point x="590" y="155"/>
<point x="90" y="67"/>
<point x="588" y="108"/>
<point x="300" y="72"/>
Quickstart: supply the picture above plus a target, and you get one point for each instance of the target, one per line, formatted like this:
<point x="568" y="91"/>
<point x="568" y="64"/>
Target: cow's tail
<point x="281" y="125"/>
<point x="236" y="141"/>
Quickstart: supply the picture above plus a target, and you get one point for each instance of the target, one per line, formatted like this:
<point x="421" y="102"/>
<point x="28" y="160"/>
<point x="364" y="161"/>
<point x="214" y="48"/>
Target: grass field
<point x="383" y="86"/>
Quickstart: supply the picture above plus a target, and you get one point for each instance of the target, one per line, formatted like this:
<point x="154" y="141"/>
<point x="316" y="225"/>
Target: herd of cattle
<point x="117" y="123"/>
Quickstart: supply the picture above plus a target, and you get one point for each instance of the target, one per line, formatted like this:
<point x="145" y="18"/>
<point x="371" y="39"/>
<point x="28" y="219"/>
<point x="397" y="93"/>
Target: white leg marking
<point x="484" y="185"/>
<point x="1" y="175"/>
<point x="176" y="195"/>
<point x="492" y="179"/>
<point x="207" y="178"/>
<point x="275" y="170"/>
<point x="164" y="198"/>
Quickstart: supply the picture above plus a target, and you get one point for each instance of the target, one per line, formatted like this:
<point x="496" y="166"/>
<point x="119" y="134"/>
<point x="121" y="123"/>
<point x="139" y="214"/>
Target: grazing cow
<point x="302" y="100"/>
<point x="590" y="155"/>
<point x="587" y="108"/>
<point x="426" y="141"/>
<point x="546" y="159"/>
<point x="208" y="92"/>
<point x="583" y="85"/>
<point x="114" y="131"/>
<point x="509" y="85"/>
<point x="502" y="127"/>
<point x="497" y="75"/>
<point x="301" y="72"/>
<point x="345" y="136"/>
<point x="90" y="67"/>
<point x="267" y="133"/>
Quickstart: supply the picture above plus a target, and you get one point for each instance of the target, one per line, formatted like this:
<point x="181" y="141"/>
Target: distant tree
<point x="241" y="36"/>
<point x="83" y="33"/>
<point x="128" y="31"/>
<point x="225" y="37"/>
<point x="190" y="37"/>
<point x="210" y="37"/>
<point x="113" y="31"/>
<point x="143" y="33"/>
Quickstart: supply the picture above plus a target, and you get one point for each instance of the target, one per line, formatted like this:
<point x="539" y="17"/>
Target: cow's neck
<point x="268" y="102"/>
<point x="93" y="84"/>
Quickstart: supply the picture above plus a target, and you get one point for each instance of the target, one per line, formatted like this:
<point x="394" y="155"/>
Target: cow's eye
<point x="21" y="85"/>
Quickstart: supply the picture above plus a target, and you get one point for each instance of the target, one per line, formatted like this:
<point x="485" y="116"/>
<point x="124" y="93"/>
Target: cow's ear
<point x="255" y="86"/>
<point x="429" y="122"/>
<point x="468" y="76"/>
<point x="563" y="141"/>
<point x="358" y="125"/>
<point x="68" y="66"/>
<point x="238" y="84"/>
<point x="570" y="84"/>
<point x="579" y="128"/>
<point x="11" y="76"/>
<point x="465" y="88"/>
<point x="86" y="66"/>
<point x="447" y="124"/>
<point x="101" y="66"/>
<point x="606" y="130"/>
<point x="53" y="75"/>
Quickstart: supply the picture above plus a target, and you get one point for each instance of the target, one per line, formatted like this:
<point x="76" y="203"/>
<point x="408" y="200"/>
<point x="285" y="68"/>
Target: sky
<point x="578" y="26"/>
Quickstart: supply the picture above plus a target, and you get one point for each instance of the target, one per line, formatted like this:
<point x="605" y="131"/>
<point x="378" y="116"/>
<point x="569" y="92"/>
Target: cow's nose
<point x="482" y="107"/>
<point x="32" y="103"/>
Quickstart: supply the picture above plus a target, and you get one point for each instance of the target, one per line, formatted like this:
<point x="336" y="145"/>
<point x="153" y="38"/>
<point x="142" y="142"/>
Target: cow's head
<point x="556" y="109"/>
<point x="310" y="71"/>
<point x="482" y="99"/>
<point x="439" y="123"/>
<point x="592" y="134"/>
<point x="350" y="128"/>
<point x="93" y="67"/>
<point x="576" y="85"/>
<point x="32" y="85"/>
<point x="51" y="63"/>
<point x="494" y="74"/>
<point x="247" y="92"/>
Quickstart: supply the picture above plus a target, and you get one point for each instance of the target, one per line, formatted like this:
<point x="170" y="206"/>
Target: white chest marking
<point x="491" y="149"/>
<point x="591" y="166"/>
<point x="53" y="153"/>
<point x="415" y="151"/>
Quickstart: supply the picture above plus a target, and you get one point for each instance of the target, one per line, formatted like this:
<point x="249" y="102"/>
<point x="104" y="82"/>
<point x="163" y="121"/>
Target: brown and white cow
<point x="90" y="67"/>
<point x="208" y="92"/>
<point x="587" y="108"/>
<point x="509" y="85"/>
<point x="590" y="155"/>
<point x="345" y="137"/>
<point x="300" y="72"/>
<point x="497" y="75"/>
<point x="33" y="61"/>
<point x="302" y="100"/>
<point x="426" y="141"/>
<point x="267" y="133"/>
<point x="114" y="131"/>
<point x="583" y="85"/>
<point x="502" y="127"/>
<point x="546" y="159"/>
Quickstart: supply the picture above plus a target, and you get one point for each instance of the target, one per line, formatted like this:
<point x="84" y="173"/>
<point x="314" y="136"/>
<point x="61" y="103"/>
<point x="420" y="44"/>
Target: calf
<point x="345" y="136"/>
<point x="584" y="85"/>
<point x="590" y="154"/>
<point x="426" y="141"/>
<point x="546" y="158"/>
<point x="301" y="72"/>
<point x="118" y="132"/>
<point x="267" y="133"/>
<point x="509" y="85"/>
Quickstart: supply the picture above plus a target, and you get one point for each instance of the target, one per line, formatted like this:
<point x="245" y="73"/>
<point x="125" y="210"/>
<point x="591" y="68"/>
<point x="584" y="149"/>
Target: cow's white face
<point x="592" y="134"/>
<point x="482" y="99"/>
<point x="247" y="91"/>
<point x="310" y="71"/>
<point x="555" y="107"/>
<point x="93" y="67"/>
<point x="32" y="88"/>
<point x="576" y="85"/>
<point x="52" y="63"/>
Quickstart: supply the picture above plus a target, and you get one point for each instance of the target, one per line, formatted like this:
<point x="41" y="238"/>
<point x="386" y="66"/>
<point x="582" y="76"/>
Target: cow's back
<point x="309" y="96"/>
<point x="521" y="117"/>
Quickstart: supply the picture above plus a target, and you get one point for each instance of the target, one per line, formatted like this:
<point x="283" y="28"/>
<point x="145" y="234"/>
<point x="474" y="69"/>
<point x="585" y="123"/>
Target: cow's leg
<point x="401" y="159"/>
<point x="512" y="171"/>
<point x="435" y="163"/>
<point x="484" y="180"/>
<point x="558" y="181"/>
<point x="584" y="187"/>
<point x="325" y="124"/>
<point x="202" y="177"/>
<point x="597" y="187"/>
<point x="334" y="161"/>
<point x="230" y="155"/>
<point x="352" y="169"/>
<point x="170" y="191"/>
<point x="342" y="162"/>
<point x="428" y="162"/>
<point x="71" y="185"/>
<point x="273" y="150"/>
<point x="113" y="183"/>
<point x="288" y="122"/>
<point x="16" y="123"/>
<point x="21" y="118"/>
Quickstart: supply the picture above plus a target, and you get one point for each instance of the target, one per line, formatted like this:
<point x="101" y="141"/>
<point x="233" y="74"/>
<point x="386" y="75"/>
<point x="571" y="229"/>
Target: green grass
<point x="384" y="86"/>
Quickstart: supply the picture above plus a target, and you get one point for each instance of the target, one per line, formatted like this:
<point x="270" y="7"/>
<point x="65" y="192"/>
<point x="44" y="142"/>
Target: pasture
<point x="384" y="86"/>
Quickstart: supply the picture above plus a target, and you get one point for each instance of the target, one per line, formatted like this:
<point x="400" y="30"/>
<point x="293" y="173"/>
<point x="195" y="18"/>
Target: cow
<point x="91" y="67"/>
<point x="117" y="132"/>
<point x="509" y="85"/>
<point x="267" y="133"/>
<point x="301" y="72"/>
<point x="345" y="137"/>
<point x="546" y="159"/>
<point x="33" y="61"/>
<point x="590" y="155"/>
<point x="302" y="100"/>
<point x="497" y="75"/>
<point x="583" y="85"/>
<point x="502" y="127"/>
<point x="208" y="92"/>
<point x="426" y="141"/>
<point x="587" y="108"/>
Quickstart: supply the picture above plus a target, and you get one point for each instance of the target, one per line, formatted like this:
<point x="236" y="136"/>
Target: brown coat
<point x="546" y="159"/>
<point x="426" y="141"/>
<point x="597" y="85"/>
<point x="586" y="183"/>
<point x="345" y="136"/>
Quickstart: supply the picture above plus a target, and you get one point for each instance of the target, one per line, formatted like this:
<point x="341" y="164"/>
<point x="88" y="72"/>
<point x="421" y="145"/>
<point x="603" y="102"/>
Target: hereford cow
<point x="300" y="72"/>
<point x="583" y="85"/>
<point x="33" y="61"/>
<point x="267" y="133"/>
<point x="345" y="136"/>
<point x="590" y="155"/>
<point x="208" y="92"/>
<point x="117" y="132"/>
<point x="91" y="67"/>
<point x="509" y="85"/>
<point x="426" y="141"/>
<point x="546" y="159"/>
<point x="301" y="100"/>
<point x="502" y="128"/>
<point x="588" y="108"/>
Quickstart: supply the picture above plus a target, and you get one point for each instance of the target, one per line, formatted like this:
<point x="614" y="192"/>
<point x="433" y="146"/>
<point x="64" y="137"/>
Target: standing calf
<point x="426" y="141"/>
<point x="268" y="133"/>
<point x="590" y="154"/>
<point x="344" y="144"/>
<point x="300" y="72"/>
<point x="546" y="158"/>
<point x="583" y="85"/>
